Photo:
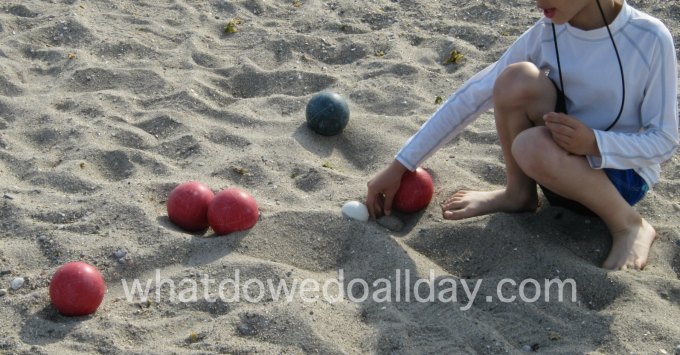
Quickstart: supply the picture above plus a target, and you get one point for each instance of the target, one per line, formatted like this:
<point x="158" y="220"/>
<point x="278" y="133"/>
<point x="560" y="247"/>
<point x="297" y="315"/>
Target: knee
<point x="536" y="153"/>
<point x="516" y="84"/>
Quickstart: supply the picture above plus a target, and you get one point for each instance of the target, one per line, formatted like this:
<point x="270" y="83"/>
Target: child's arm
<point x="658" y="139"/>
<point x="460" y="109"/>
<point x="466" y="104"/>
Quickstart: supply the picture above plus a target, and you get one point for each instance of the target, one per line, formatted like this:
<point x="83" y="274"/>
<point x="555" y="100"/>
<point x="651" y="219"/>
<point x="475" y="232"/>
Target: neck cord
<point x="618" y="57"/>
<point x="559" y="66"/>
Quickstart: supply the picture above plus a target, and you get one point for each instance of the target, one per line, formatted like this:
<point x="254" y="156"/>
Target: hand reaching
<point x="382" y="188"/>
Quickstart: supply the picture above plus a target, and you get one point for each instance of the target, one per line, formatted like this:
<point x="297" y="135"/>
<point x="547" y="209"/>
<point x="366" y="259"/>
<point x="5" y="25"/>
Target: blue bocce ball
<point x="327" y="113"/>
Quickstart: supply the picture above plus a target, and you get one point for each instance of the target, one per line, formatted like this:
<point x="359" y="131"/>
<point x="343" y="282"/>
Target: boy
<point x="591" y="160"/>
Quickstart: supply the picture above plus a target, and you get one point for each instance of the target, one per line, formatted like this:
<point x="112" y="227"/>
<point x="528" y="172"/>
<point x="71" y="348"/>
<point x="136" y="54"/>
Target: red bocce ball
<point x="77" y="289"/>
<point x="415" y="191"/>
<point x="232" y="210"/>
<point x="188" y="205"/>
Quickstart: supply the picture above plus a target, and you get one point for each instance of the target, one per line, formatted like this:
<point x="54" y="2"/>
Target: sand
<point x="105" y="106"/>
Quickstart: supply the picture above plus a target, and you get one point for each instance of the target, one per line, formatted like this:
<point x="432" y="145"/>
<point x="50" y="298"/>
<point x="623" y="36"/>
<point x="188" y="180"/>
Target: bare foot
<point x="630" y="247"/>
<point x="466" y="204"/>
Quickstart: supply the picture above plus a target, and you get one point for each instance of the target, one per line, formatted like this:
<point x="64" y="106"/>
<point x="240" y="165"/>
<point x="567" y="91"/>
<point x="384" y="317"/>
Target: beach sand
<point x="105" y="106"/>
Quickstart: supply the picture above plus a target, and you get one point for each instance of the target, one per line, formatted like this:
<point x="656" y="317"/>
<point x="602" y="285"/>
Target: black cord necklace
<point x="618" y="57"/>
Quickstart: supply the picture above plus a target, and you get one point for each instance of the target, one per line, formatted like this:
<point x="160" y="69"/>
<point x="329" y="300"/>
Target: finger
<point x="550" y="116"/>
<point x="557" y="116"/>
<point x="370" y="200"/>
<point x="377" y="207"/>
<point x="552" y="126"/>
<point x="553" y="117"/>
<point x="553" y="132"/>
<point x="562" y="137"/>
<point x="560" y="128"/>
<point x="570" y="121"/>
<point x="389" y="197"/>
<point x="563" y="143"/>
<point x="560" y="140"/>
<point x="562" y="119"/>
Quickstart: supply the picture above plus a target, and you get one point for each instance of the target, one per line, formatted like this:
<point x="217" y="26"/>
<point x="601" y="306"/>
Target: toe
<point x="611" y="264"/>
<point x="457" y="214"/>
<point x="455" y="205"/>
<point x="453" y="198"/>
<point x="452" y="215"/>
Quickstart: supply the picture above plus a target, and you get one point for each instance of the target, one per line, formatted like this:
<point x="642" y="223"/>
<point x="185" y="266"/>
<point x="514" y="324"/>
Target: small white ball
<point x="355" y="210"/>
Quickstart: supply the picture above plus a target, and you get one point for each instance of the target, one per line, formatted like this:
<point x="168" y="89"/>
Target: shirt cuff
<point x="406" y="164"/>
<point x="595" y="161"/>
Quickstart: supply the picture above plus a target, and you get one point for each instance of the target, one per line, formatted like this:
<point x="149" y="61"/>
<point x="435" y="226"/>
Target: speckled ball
<point x="327" y="113"/>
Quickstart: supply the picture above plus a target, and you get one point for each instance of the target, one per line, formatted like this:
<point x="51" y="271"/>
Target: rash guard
<point x="647" y="132"/>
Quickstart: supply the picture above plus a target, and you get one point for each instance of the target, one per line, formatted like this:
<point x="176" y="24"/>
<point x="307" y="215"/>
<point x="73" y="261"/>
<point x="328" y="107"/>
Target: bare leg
<point x="522" y="95"/>
<point x="570" y="176"/>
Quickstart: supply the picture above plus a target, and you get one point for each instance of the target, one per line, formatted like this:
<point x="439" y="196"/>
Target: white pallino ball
<point x="355" y="210"/>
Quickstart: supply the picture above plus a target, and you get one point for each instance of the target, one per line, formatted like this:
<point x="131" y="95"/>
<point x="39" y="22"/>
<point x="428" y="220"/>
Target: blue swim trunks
<point x="630" y="185"/>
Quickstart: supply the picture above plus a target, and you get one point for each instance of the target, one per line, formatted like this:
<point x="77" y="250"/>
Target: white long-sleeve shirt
<point x="647" y="132"/>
